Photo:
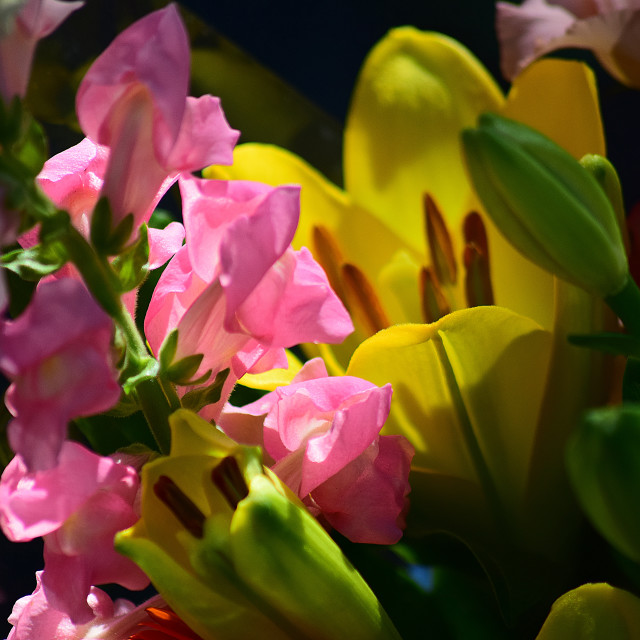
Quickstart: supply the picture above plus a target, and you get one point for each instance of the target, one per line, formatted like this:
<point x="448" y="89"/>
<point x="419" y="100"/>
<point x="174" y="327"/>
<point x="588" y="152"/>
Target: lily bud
<point x="232" y="550"/>
<point x="593" y="611"/>
<point x="546" y="204"/>
<point x="603" y="460"/>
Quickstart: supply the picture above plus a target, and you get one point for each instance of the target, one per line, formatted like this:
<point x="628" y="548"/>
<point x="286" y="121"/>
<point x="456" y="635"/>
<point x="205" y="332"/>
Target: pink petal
<point x="205" y="136"/>
<point x="367" y="499"/>
<point x="152" y="53"/>
<point x="164" y="243"/>
<point x="294" y="303"/>
<point x="39" y="18"/>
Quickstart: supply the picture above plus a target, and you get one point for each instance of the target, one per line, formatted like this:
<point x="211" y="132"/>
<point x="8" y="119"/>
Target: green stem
<point x="157" y="405"/>
<point x="626" y="305"/>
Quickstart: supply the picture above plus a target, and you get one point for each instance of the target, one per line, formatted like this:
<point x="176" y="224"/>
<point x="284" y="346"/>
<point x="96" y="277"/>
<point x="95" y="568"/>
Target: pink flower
<point x="609" y="28"/>
<point x="58" y="356"/>
<point x="73" y="181"/>
<point x="322" y="434"/>
<point x="134" y="100"/>
<point x="35" y="20"/>
<point x="236" y="291"/>
<point x="77" y="506"/>
<point x="33" y="618"/>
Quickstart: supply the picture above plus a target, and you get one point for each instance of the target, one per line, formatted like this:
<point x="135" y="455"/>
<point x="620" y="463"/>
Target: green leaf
<point x="35" y="262"/>
<point x="617" y="344"/>
<point x="131" y="265"/>
<point x="168" y="350"/>
<point x="182" y="371"/>
<point x="147" y="372"/>
<point x="199" y="398"/>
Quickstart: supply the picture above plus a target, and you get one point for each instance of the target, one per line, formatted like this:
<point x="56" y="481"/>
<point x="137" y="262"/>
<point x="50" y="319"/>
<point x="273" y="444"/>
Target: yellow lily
<point x="415" y="93"/>
<point x="486" y="396"/>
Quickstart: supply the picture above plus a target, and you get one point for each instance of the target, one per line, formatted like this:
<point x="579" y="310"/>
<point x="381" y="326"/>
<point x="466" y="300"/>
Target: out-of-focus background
<point x="285" y="70"/>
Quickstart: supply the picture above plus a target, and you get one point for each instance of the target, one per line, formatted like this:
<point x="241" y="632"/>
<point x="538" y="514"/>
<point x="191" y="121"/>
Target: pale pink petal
<point x="164" y="243"/>
<point x="205" y="136"/>
<point x="367" y="499"/>
<point x="39" y="18"/>
<point x="528" y="31"/>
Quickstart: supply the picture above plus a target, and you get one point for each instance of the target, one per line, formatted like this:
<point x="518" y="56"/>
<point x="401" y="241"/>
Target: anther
<point x="182" y="507"/>
<point x="478" y="288"/>
<point x="362" y="300"/>
<point x="434" y="302"/>
<point x="439" y="243"/>
<point x="327" y="252"/>
<point x="229" y="480"/>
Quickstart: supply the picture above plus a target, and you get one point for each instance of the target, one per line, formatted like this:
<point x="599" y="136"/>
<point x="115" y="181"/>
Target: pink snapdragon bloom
<point x="134" y="100"/>
<point x="609" y="28"/>
<point x="77" y="506"/>
<point x="323" y="436"/>
<point x="35" y="20"/>
<point x="73" y="181"/>
<point x="58" y="355"/>
<point x="236" y="291"/>
<point x="33" y="618"/>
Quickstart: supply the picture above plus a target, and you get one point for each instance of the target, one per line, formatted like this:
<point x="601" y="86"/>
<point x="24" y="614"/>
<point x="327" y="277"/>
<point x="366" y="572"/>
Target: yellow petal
<point x="591" y="612"/>
<point x="270" y="380"/>
<point x="467" y="392"/>
<point x="415" y="93"/>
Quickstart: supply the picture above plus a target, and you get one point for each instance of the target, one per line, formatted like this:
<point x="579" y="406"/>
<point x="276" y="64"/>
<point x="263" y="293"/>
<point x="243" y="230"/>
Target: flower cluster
<point x="243" y="405"/>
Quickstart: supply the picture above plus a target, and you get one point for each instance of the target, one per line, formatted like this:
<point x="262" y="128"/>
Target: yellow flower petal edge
<point x="416" y="91"/>
<point x="592" y="612"/>
<point x="461" y="386"/>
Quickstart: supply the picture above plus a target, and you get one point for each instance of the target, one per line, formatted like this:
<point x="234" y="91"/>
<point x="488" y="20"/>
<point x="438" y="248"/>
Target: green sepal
<point x="35" y="262"/>
<point x="147" y="370"/>
<point x="603" y="460"/>
<point x="182" y="371"/>
<point x="199" y="398"/>
<point x="617" y="344"/>
<point x="131" y="266"/>
<point x="106" y="239"/>
<point x="168" y="350"/>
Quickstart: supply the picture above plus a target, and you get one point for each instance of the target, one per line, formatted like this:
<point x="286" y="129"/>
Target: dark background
<point x="317" y="48"/>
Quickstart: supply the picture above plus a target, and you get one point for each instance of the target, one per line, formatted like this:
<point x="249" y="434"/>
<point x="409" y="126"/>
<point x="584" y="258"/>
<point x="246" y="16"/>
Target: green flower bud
<point x="235" y="553"/>
<point x="591" y="612"/>
<point x="546" y="204"/>
<point x="603" y="459"/>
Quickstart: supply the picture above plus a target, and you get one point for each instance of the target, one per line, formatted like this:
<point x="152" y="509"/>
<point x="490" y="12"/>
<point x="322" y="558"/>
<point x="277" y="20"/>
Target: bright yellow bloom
<point x="415" y="93"/>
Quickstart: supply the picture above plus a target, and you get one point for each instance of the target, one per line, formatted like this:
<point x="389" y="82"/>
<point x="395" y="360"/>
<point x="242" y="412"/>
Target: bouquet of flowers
<point x="407" y="407"/>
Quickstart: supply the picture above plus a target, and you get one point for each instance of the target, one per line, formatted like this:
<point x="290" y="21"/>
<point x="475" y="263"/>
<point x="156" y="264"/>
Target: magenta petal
<point x="366" y="500"/>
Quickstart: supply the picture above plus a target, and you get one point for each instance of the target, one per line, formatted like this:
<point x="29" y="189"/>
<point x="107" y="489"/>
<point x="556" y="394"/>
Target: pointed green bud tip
<point x="546" y="204"/>
<point x="593" y="611"/>
<point x="603" y="458"/>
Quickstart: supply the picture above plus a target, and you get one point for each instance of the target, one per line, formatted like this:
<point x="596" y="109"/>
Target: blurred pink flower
<point x="134" y="100"/>
<point x="609" y="28"/>
<point x="77" y="506"/>
<point x="57" y="354"/>
<point x="35" y="20"/>
<point x="33" y="618"/>
<point x="236" y="290"/>
<point x="322" y="434"/>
